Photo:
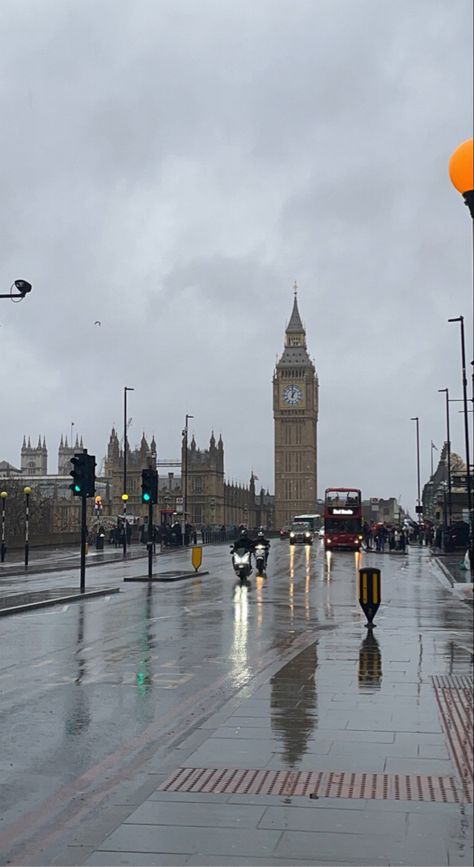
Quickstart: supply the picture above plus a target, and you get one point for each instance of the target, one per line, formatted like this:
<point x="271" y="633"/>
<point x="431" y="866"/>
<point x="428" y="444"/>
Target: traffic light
<point x="149" y="486"/>
<point x="83" y="475"/>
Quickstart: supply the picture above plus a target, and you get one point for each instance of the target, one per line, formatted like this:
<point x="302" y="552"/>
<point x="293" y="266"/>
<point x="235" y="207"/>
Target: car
<point x="284" y="532"/>
<point x="301" y="533"/>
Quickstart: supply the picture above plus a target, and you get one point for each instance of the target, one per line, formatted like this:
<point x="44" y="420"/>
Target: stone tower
<point x="295" y="412"/>
<point x="65" y="453"/>
<point x="205" y="482"/>
<point x="34" y="460"/>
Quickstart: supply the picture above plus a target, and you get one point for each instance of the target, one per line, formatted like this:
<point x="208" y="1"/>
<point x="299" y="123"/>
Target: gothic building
<point x="204" y="472"/>
<point x="66" y="452"/>
<point x="34" y="459"/>
<point x="137" y="460"/>
<point x="295" y="413"/>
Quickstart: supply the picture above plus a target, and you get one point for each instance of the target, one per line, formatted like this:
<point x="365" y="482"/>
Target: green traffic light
<point x="146" y="498"/>
<point x="77" y="489"/>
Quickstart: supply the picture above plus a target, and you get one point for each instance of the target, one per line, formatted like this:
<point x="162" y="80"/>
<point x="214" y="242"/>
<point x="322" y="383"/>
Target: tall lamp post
<point x="185" y="474"/>
<point x="3" y="495"/>
<point x="418" y="508"/>
<point x="125" y="446"/>
<point x="448" y="444"/>
<point x="460" y="319"/>
<point x="461" y="172"/>
<point x="27" y="492"/>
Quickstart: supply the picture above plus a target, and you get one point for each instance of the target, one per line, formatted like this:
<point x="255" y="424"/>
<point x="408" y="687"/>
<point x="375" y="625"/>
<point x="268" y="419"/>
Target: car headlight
<point x="292" y="535"/>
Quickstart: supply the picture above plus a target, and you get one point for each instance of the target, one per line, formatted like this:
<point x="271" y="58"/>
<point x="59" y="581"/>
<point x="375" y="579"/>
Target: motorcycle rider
<point x="243" y="542"/>
<point x="261" y="540"/>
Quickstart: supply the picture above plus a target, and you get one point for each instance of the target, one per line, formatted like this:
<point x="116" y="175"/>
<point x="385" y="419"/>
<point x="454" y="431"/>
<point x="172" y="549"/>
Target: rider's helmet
<point x="261" y="534"/>
<point x="243" y="533"/>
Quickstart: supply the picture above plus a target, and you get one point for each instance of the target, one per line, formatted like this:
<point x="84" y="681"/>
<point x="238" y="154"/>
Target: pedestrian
<point x="402" y="540"/>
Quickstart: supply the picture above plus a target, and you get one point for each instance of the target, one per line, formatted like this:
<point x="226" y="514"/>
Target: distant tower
<point x="295" y="413"/>
<point x="34" y="460"/>
<point x="65" y="453"/>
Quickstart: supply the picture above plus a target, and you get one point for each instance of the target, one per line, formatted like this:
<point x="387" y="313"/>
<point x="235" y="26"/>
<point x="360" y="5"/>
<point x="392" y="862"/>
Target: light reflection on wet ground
<point x="79" y="683"/>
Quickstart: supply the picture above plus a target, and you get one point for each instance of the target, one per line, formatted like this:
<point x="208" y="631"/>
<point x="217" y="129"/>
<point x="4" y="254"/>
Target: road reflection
<point x="77" y="715"/>
<point x="370" y="663"/>
<point x="293" y="704"/>
<point x="239" y="649"/>
<point x="144" y="669"/>
<point x="328" y="563"/>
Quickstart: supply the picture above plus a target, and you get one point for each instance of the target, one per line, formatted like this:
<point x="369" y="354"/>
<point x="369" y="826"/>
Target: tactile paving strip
<point x="454" y="695"/>
<point x="315" y="784"/>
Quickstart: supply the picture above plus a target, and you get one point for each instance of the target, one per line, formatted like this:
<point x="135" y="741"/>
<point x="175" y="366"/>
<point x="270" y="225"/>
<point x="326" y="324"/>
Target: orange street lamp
<point x="461" y="172"/>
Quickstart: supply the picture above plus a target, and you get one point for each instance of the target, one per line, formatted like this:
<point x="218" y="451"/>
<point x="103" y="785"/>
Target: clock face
<point x="292" y="395"/>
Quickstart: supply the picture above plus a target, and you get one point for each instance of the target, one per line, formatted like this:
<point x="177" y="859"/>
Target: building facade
<point x="211" y="501"/>
<point x="295" y="413"/>
<point x="444" y="496"/>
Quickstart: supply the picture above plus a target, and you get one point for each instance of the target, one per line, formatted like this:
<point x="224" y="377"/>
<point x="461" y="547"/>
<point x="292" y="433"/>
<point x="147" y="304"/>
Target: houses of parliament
<point x="199" y="473"/>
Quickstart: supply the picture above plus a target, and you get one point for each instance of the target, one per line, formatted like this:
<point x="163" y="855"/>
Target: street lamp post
<point x="461" y="172"/>
<point x="185" y="474"/>
<point x="460" y="319"/>
<point x="418" y="508"/>
<point x="27" y="492"/>
<point x="448" y="443"/>
<point x="3" y="495"/>
<point x="443" y="504"/>
<point x="124" y="494"/>
<point x="22" y="288"/>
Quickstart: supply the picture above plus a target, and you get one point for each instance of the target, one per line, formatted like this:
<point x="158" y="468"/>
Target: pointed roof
<point x="295" y="352"/>
<point x="295" y="323"/>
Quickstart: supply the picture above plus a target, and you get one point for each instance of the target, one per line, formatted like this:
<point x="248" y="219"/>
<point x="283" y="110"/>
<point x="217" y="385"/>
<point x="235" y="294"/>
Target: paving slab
<point x="161" y="839"/>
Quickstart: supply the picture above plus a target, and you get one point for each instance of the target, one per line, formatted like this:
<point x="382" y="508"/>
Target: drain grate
<point x="454" y="697"/>
<point x="314" y="784"/>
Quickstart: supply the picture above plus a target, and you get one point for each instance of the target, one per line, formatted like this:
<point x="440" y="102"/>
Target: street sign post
<point x="369" y="593"/>
<point x="196" y="556"/>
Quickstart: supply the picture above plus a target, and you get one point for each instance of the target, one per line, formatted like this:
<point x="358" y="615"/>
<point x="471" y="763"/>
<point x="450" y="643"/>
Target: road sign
<point x="196" y="556"/>
<point x="369" y="592"/>
<point x="179" y="505"/>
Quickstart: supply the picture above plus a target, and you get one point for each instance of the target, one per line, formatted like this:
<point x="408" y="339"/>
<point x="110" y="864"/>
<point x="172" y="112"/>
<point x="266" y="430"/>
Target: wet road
<point x="92" y="691"/>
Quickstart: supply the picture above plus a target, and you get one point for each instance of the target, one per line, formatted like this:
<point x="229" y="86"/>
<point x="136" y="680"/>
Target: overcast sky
<point x="170" y="167"/>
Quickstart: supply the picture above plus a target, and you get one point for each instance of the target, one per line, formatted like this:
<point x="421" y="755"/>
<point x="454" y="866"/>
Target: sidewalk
<point x="352" y="748"/>
<point x="17" y="594"/>
<point x="53" y="559"/>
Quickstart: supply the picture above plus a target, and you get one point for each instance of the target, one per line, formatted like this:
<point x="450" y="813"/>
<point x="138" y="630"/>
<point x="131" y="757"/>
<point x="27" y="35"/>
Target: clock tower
<point x="295" y="411"/>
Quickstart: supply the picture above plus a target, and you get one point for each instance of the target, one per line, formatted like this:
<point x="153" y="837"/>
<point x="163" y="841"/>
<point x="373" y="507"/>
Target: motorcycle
<point x="260" y="552"/>
<point x="241" y="561"/>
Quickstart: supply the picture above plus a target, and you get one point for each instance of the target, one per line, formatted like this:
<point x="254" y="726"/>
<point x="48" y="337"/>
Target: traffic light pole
<point x="150" y="539"/>
<point x="83" y="541"/>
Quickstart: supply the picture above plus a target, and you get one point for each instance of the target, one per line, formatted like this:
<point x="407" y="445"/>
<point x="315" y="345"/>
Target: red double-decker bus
<point x="342" y="519"/>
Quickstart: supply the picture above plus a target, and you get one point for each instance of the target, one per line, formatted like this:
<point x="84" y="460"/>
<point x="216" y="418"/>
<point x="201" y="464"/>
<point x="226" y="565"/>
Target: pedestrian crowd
<point x="383" y="537"/>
